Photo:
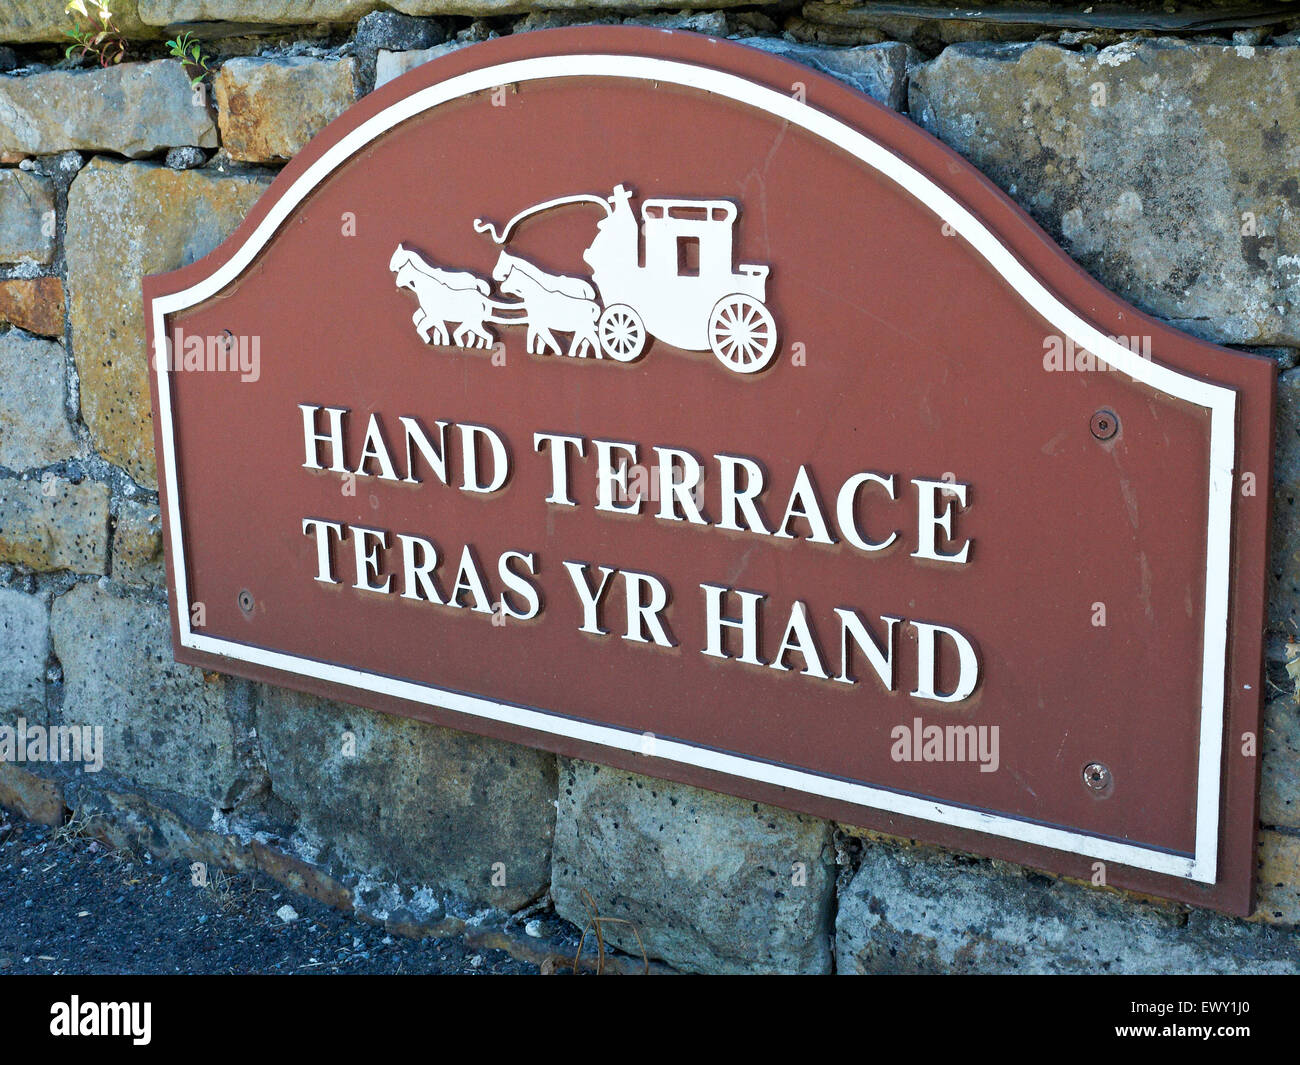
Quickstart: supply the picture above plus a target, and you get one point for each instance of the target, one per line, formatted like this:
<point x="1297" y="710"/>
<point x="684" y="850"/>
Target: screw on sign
<point x="1104" y="424"/>
<point x="1096" y="776"/>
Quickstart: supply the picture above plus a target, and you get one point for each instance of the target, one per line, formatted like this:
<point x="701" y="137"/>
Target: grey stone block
<point x="713" y="883"/>
<point x="34" y="430"/>
<point x="165" y="725"/>
<point x="24" y="647"/>
<point x="26" y="214"/>
<point x="135" y="109"/>
<point x="1167" y="170"/>
<point x="879" y="70"/>
<point x="53" y="524"/>
<point x="913" y="910"/>
<point x="407" y="803"/>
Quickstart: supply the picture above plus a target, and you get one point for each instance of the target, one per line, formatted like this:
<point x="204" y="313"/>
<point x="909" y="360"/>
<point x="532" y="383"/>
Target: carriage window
<point x="688" y="256"/>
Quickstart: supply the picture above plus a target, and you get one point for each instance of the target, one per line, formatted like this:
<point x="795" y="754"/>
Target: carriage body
<point x="673" y="277"/>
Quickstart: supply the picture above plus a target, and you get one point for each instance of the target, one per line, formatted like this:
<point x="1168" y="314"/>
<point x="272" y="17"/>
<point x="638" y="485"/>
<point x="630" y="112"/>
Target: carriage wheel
<point x="742" y="333"/>
<point x="622" y="333"/>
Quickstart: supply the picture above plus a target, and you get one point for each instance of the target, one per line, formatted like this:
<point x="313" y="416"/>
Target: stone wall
<point x="1176" y="186"/>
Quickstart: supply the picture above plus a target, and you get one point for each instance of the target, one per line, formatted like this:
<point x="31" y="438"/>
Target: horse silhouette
<point x="553" y="304"/>
<point x="445" y="297"/>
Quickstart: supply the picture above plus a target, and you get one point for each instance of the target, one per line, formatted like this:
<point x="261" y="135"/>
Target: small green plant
<point x="188" y="51"/>
<point x="97" y="35"/>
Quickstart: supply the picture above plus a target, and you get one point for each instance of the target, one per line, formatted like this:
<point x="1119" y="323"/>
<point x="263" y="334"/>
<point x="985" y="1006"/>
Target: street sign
<point x="652" y="400"/>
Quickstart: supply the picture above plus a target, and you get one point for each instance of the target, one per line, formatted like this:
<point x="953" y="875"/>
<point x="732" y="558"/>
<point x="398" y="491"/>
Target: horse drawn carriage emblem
<point x="683" y="289"/>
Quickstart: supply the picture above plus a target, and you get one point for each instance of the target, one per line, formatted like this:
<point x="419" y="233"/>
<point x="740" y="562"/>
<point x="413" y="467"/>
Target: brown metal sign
<point x="649" y="399"/>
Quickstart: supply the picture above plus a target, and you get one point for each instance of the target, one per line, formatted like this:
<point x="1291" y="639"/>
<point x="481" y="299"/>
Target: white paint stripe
<point x="705" y="758"/>
<point x="1218" y="400"/>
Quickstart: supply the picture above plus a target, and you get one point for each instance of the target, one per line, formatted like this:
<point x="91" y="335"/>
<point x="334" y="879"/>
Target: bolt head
<point x="1096" y="776"/>
<point x="1104" y="424"/>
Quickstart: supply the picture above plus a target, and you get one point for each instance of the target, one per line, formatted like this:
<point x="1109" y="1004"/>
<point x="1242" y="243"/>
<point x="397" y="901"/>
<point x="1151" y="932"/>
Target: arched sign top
<point x="843" y="360"/>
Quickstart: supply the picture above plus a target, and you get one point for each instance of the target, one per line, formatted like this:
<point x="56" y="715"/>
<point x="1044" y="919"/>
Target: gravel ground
<point x="71" y="905"/>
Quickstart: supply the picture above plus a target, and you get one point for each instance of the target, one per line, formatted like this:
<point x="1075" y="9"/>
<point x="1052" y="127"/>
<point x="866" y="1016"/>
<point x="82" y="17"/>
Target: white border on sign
<point x="1219" y="401"/>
